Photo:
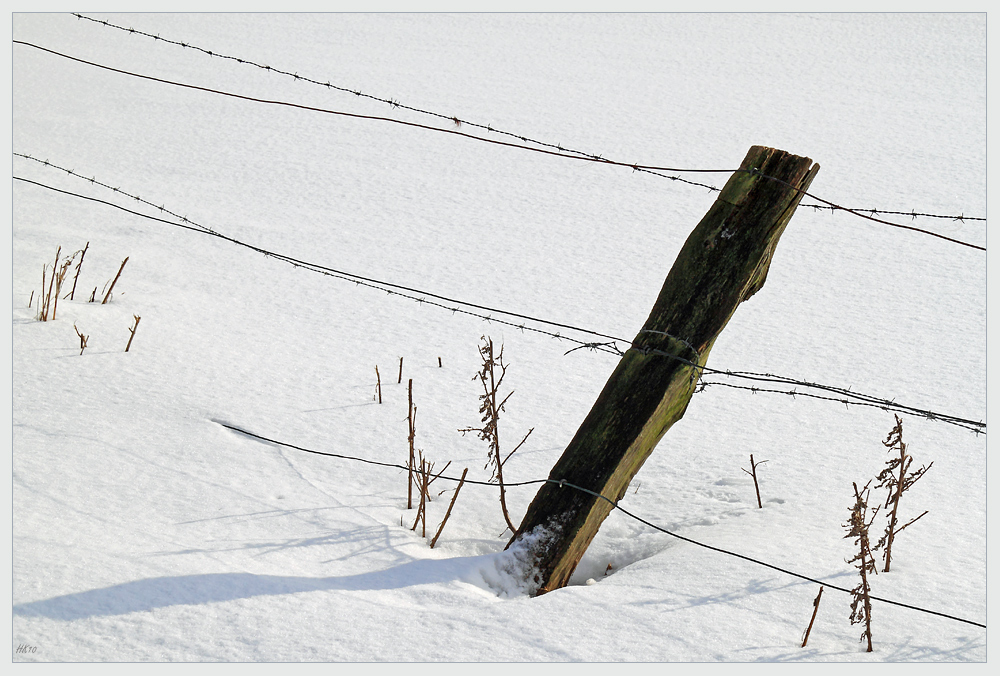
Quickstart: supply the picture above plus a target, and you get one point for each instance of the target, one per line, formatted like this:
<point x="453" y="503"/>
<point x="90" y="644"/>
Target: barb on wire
<point x="854" y="397"/>
<point x="545" y="151"/>
<point x="390" y="288"/>
<point x="562" y="483"/>
<point x="913" y="214"/>
<point x="879" y="402"/>
<point x="602" y="347"/>
<point x="458" y="122"/>
<point x="757" y="172"/>
<point x="611" y="348"/>
<point x="392" y="103"/>
<point x="328" y="111"/>
<point x="974" y="427"/>
<point x="93" y="181"/>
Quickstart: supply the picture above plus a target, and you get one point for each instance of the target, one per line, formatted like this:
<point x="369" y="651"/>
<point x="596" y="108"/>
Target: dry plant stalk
<point x="753" y="473"/>
<point x="83" y="339"/>
<point x="805" y="638"/>
<point x="861" y="606"/>
<point x="411" y="417"/>
<point x="896" y="486"/>
<point x="107" y="296"/>
<point x="400" y="371"/>
<point x="43" y="301"/>
<point x="60" y="276"/>
<point x="41" y="296"/>
<point x="132" y="331"/>
<point x="48" y="301"/>
<point x="491" y="416"/>
<point x="423" y="482"/>
<point x="378" y="385"/>
<point x="450" y="506"/>
<point x="79" y="265"/>
<point x="431" y="480"/>
<point x="52" y="279"/>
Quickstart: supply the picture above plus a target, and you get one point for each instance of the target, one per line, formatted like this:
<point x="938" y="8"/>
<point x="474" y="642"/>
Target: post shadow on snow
<point x="163" y="592"/>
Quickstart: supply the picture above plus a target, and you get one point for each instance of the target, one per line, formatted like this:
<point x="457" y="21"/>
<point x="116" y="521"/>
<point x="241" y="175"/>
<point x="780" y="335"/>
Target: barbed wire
<point x="421" y="296"/>
<point x="93" y="181"/>
<point x="634" y="167"/>
<point x="563" y="483"/>
<point x="395" y="103"/>
<point x="392" y="103"/>
<point x="848" y="396"/>
<point x="355" y="279"/>
<point x="962" y="218"/>
<point x="976" y="428"/>
<point x="758" y="172"/>
<point x="342" y="113"/>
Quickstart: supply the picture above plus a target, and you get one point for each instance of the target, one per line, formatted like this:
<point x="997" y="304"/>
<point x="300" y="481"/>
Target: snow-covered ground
<point x="144" y="530"/>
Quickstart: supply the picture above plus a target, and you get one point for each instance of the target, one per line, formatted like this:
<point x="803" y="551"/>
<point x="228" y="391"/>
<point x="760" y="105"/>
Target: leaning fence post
<point x="723" y="263"/>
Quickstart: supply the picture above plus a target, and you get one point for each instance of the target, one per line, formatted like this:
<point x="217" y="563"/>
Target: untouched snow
<point x="144" y="530"/>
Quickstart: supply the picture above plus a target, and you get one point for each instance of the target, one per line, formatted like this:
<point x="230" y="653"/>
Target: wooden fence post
<point x="723" y="262"/>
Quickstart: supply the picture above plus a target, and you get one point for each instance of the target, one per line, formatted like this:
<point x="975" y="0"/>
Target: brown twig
<point x="861" y="606"/>
<point x="46" y="300"/>
<point x="425" y="470"/>
<point x="896" y="486"/>
<point x="378" y="385"/>
<point x="83" y="338"/>
<point x="78" y="266"/>
<point x="489" y="433"/>
<point x="443" y="470"/>
<point x="63" y="269"/>
<point x="132" y="331"/>
<point x="815" y="610"/>
<point x="450" y="505"/>
<point x="753" y="466"/>
<point x="519" y="445"/>
<point x="424" y="499"/>
<point x="901" y="530"/>
<point x="52" y="279"/>
<point x="410" y="415"/>
<point x="41" y="296"/>
<point x="107" y="296"/>
<point x="400" y="371"/>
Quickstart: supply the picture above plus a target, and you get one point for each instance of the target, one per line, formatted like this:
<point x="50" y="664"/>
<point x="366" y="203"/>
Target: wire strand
<point x="563" y="483"/>
<point x="356" y="279"/>
<point x="585" y="158"/>
<point x="379" y="118"/>
<point x="394" y="103"/>
<point x="609" y="347"/>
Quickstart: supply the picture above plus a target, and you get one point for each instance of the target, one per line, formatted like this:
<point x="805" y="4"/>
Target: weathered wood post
<point x="723" y="262"/>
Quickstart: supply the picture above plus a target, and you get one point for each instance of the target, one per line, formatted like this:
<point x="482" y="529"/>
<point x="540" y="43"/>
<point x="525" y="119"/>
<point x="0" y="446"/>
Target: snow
<point x="144" y="530"/>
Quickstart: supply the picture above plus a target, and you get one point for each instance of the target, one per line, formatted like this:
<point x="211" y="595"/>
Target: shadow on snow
<point x="163" y="592"/>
